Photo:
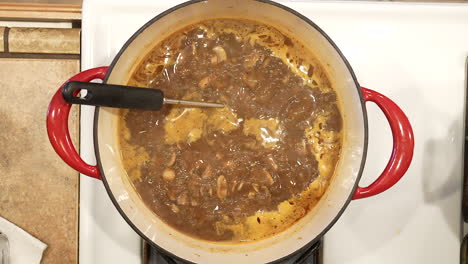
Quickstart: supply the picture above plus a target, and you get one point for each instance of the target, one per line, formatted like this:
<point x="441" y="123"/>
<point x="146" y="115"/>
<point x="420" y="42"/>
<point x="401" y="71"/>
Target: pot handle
<point x="57" y="125"/>
<point x="403" y="145"/>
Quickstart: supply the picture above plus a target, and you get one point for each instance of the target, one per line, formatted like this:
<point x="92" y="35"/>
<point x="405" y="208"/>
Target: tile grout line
<point x="46" y="56"/>
<point x="6" y="32"/>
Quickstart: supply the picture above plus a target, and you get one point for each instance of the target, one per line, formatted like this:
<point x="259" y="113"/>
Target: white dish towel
<point x="24" y="248"/>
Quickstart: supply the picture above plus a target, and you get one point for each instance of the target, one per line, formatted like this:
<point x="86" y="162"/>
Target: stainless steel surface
<point x="191" y="103"/>
<point x="4" y="249"/>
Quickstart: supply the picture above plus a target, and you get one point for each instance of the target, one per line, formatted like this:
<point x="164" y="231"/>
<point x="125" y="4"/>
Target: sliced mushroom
<point x="220" y="54"/>
<point x="241" y="184"/>
<point x="172" y="160"/>
<point x="268" y="178"/>
<point x="255" y="187"/>
<point x="194" y="49"/>
<point x="169" y="174"/>
<point x="174" y="208"/>
<point x="222" y="187"/>
<point x="203" y="83"/>
<point x="214" y="59"/>
<point x="208" y="172"/>
<point x="234" y="185"/>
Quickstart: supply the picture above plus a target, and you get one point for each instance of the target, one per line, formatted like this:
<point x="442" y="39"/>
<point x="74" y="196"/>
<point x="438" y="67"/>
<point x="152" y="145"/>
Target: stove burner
<point x="310" y="255"/>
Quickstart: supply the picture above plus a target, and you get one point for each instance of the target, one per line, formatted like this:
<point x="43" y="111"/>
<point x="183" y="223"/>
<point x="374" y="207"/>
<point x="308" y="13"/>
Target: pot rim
<point x="310" y="23"/>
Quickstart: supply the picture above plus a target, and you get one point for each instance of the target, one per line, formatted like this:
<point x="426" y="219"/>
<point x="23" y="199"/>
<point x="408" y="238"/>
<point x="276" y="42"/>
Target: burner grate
<point x="310" y="255"/>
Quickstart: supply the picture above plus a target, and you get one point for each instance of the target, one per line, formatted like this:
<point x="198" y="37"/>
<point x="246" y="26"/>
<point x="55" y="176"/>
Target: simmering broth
<point x="246" y="171"/>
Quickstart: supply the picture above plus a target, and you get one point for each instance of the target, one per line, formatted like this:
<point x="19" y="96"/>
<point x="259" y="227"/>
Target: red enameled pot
<point x="344" y="184"/>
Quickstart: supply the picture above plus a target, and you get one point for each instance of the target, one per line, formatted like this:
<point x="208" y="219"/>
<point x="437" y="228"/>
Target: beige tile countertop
<point x="38" y="191"/>
<point x="44" y="40"/>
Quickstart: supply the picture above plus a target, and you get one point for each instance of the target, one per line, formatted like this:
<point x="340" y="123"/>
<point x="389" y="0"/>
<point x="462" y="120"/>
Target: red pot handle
<point x="57" y="125"/>
<point x="403" y="145"/>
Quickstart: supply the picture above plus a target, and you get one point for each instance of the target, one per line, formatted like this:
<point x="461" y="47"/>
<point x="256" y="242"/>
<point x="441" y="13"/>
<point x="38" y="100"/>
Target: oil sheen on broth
<point x="246" y="171"/>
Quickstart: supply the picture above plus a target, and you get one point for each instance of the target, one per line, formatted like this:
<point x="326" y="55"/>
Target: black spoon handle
<point x="112" y="95"/>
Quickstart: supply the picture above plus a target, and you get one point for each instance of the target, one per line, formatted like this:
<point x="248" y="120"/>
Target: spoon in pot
<point x="120" y="96"/>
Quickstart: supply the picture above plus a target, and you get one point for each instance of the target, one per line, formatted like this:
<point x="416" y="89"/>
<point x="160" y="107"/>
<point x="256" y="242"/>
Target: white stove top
<point x="412" y="52"/>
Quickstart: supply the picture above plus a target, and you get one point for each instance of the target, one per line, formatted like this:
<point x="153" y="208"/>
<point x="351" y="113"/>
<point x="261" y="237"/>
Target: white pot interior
<point x="309" y="227"/>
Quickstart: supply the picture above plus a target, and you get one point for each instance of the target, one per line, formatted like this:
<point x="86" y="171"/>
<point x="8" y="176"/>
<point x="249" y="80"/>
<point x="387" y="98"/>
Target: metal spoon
<point x="120" y="96"/>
